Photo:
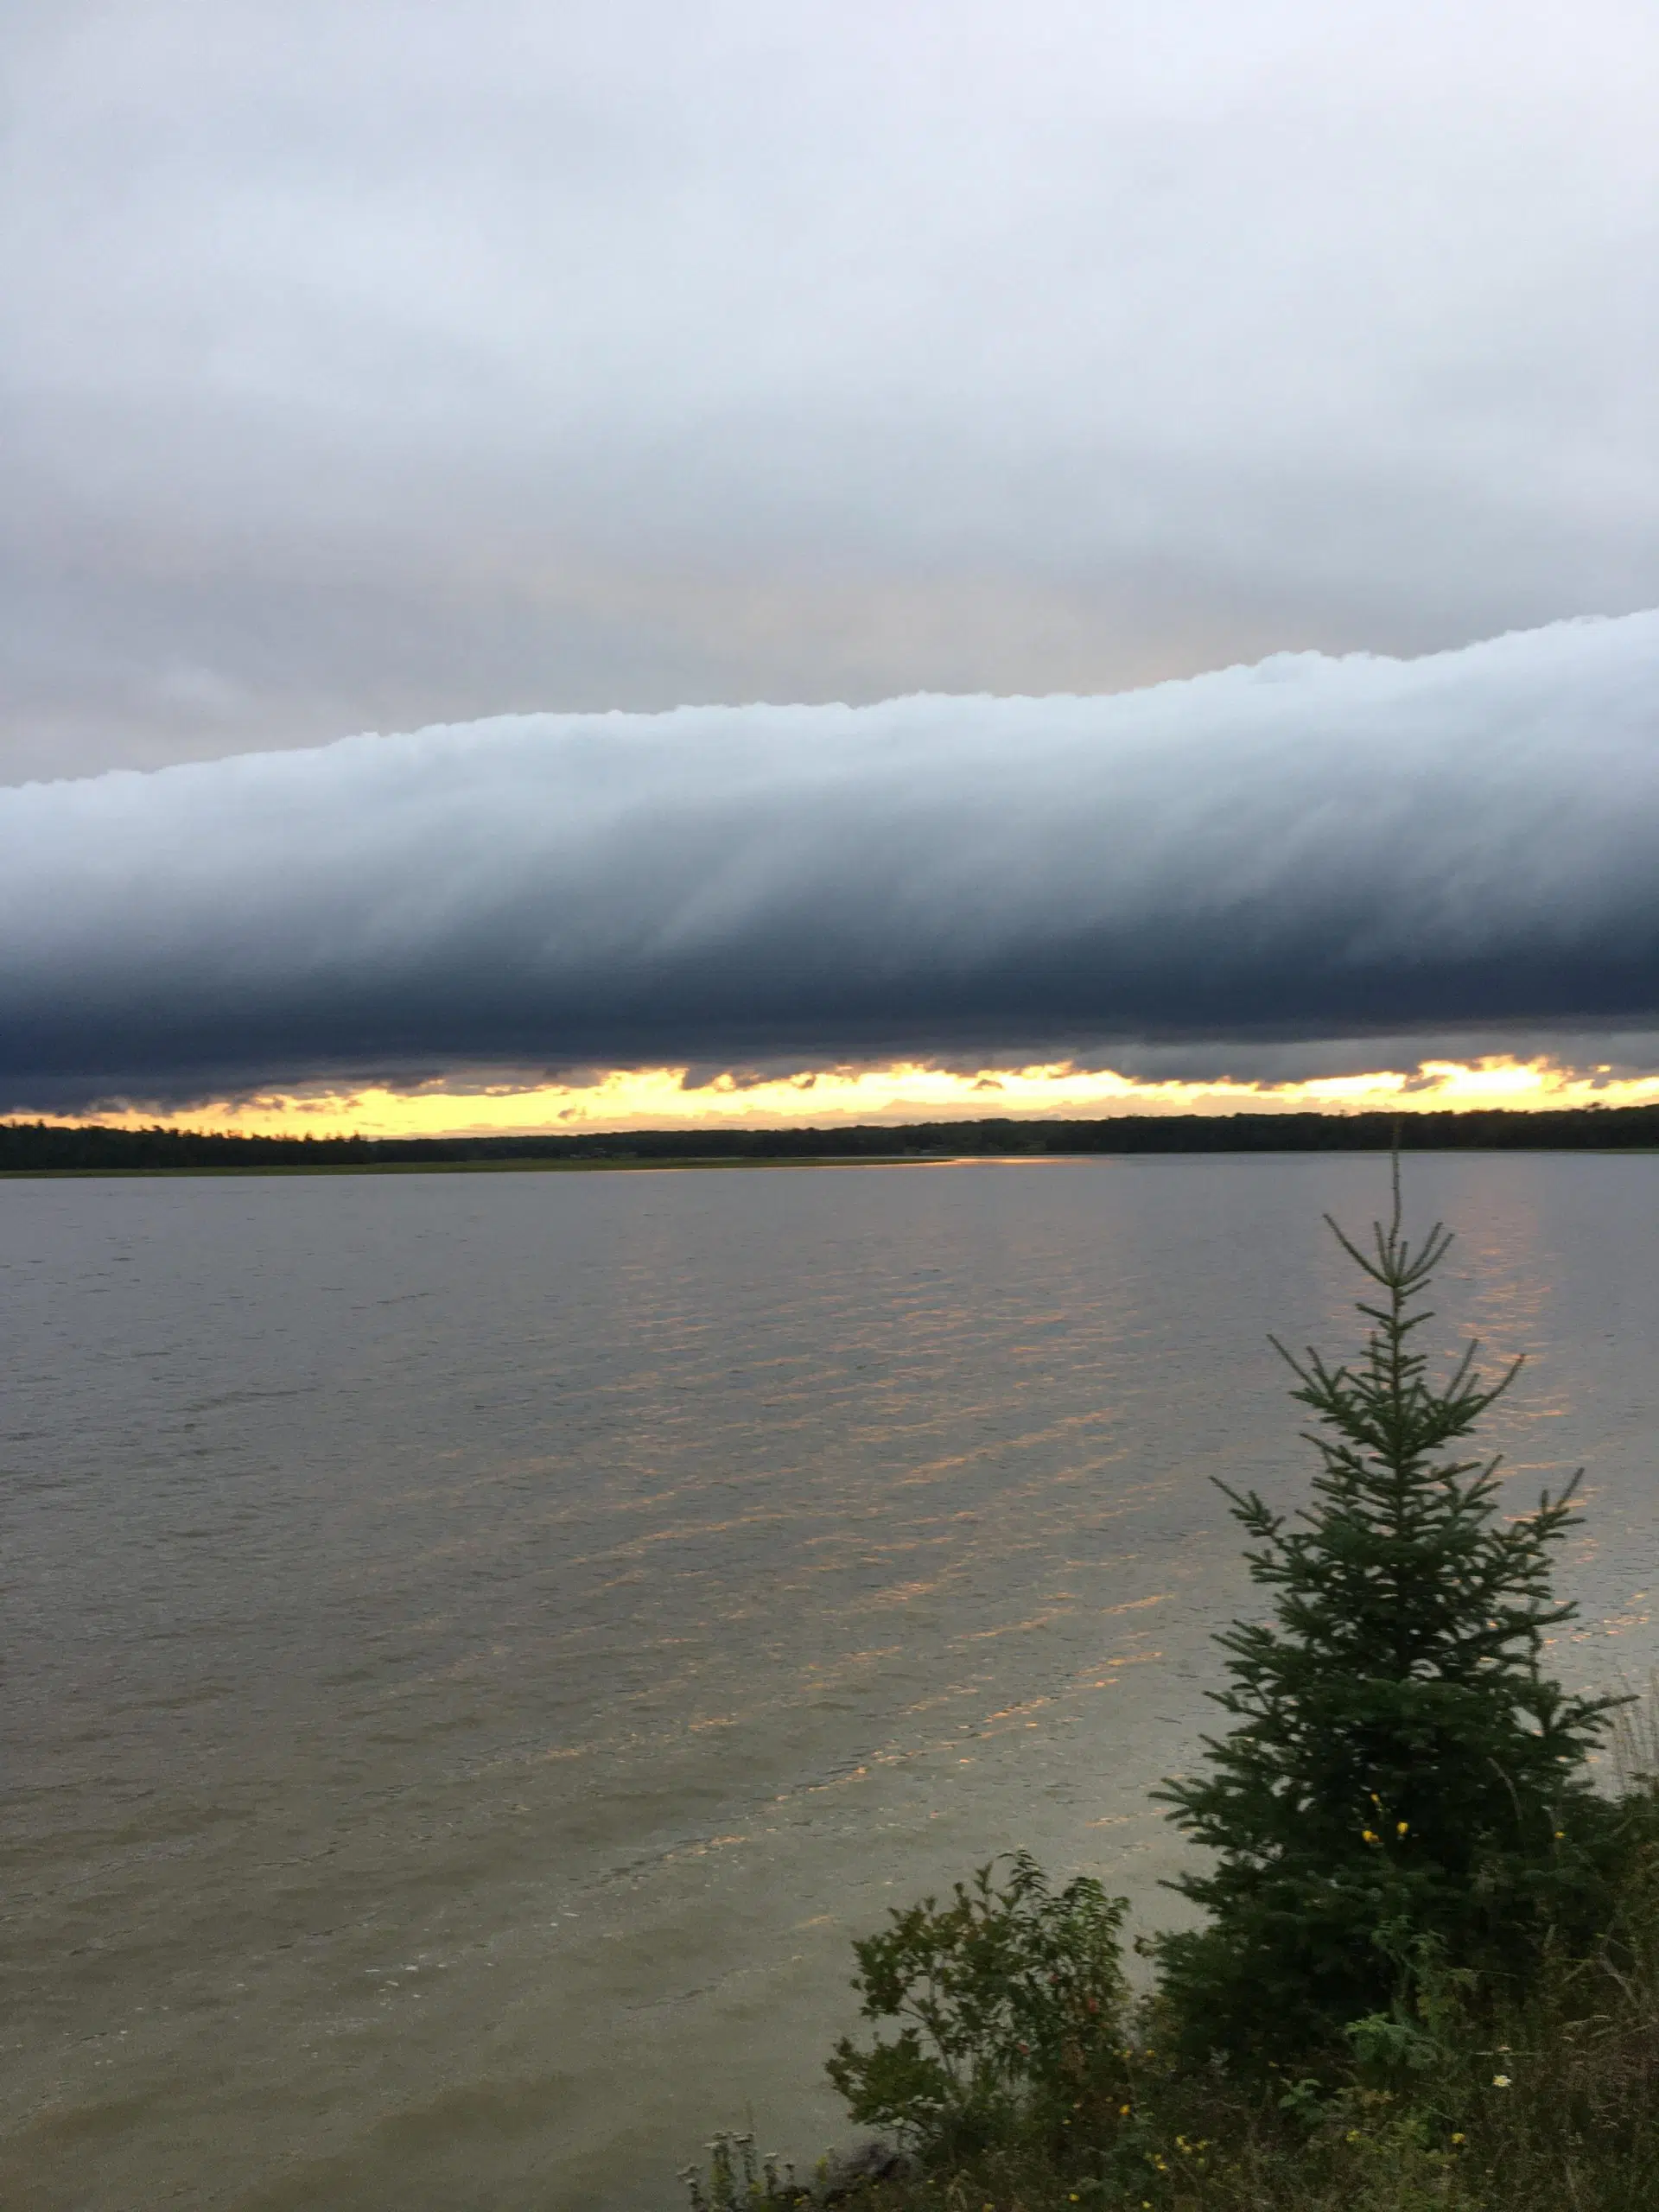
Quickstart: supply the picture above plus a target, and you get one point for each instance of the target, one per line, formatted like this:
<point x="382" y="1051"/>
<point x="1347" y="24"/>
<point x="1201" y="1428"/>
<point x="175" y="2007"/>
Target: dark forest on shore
<point x="35" y="1148"/>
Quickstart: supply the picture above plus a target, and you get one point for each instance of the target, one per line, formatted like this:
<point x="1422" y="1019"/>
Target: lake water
<point x="477" y="1646"/>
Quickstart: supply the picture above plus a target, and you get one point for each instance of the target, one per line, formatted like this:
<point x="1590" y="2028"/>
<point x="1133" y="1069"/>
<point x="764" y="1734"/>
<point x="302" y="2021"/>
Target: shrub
<point x="1012" y="2000"/>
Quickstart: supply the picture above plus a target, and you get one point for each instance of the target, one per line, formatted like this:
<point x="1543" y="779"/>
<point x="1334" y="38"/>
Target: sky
<point x="969" y="376"/>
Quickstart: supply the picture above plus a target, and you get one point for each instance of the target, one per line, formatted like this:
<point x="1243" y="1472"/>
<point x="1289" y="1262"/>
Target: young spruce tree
<point x="1399" y="1767"/>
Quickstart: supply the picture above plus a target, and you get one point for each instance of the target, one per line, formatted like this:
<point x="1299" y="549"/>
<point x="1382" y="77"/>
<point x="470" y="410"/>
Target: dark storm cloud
<point x="368" y="363"/>
<point x="1306" y="849"/>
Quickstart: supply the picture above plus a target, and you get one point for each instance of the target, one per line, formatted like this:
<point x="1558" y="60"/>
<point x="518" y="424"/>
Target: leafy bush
<point x="1012" y="2000"/>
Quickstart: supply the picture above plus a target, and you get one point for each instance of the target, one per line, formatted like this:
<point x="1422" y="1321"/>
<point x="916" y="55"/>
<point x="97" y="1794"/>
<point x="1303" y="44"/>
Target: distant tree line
<point x="36" y="1148"/>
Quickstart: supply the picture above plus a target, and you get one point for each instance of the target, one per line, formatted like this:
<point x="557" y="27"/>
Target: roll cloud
<point x="1308" y="846"/>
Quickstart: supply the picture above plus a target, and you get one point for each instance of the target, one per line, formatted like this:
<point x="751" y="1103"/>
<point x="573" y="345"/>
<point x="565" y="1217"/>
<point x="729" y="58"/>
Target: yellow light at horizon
<point x="624" y="1099"/>
<point x="1505" y="1083"/>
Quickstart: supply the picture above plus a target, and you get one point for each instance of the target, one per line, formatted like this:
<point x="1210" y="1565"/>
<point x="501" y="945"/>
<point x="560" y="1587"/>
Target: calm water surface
<point x="477" y="1646"/>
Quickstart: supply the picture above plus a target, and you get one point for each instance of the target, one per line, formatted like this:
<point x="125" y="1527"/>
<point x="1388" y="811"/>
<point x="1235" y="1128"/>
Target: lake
<point x="478" y="1647"/>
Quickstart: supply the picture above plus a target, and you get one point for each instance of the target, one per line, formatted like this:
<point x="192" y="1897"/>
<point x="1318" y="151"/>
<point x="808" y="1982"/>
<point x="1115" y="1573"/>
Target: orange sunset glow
<point x="665" y="1098"/>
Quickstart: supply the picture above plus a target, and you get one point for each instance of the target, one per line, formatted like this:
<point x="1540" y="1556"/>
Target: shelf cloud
<point x="1308" y="847"/>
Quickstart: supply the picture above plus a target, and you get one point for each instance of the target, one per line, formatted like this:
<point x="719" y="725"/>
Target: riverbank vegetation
<point x="44" y="1149"/>
<point x="1426" y="1969"/>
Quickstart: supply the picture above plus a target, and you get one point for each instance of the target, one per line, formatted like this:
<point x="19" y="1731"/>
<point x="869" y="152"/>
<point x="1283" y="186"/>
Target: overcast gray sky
<point x="369" y="366"/>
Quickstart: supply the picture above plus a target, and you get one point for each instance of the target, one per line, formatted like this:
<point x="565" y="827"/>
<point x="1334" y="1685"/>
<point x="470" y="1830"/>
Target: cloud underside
<point x="1229" y="866"/>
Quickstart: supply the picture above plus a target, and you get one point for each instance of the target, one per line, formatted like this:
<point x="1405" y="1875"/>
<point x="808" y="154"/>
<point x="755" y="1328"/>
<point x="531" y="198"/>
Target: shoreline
<point x="703" y="1163"/>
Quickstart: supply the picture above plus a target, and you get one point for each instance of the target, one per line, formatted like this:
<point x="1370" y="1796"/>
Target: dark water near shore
<point x="475" y="1648"/>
